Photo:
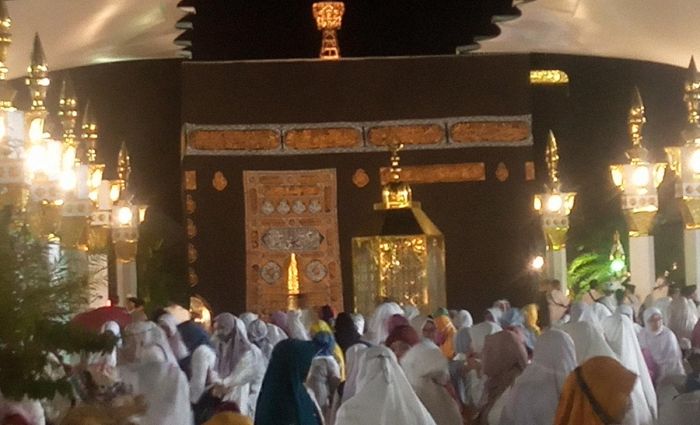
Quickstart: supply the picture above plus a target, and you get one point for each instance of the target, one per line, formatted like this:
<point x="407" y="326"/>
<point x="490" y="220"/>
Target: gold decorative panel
<point x="427" y="134"/>
<point x="502" y="172"/>
<point x="190" y="204"/>
<point x="438" y="173"/>
<point x="217" y="140"/>
<point x="190" y="180"/>
<point x="530" y="171"/>
<point x="490" y="131"/>
<point x="360" y="178"/>
<point x="548" y="77"/>
<point x="219" y="181"/>
<point x="291" y="212"/>
<point x="322" y="138"/>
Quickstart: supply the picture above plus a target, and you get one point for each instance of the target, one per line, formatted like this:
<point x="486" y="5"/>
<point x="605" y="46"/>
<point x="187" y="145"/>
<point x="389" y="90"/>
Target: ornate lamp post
<point x="58" y="184"/>
<point x="685" y="163"/>
<point x="554" y="207"/>
<point x="638" y="181"/>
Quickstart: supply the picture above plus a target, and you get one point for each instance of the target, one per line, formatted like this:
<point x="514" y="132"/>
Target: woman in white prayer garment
<point x="628" y="310"/>
<point x="662" y="346"/>
<point x="463" y="319"/>
<point x="378" y="331"/>
<point x="682" y="316"/>
<point x="588" y="340"/>
<point x="426" y="369"/>
<point x="383" y="395"/>
<point x="258" y="335"/>
<point x="149" y="368"/>
<point x="297" y="329"/>
<point x="534" y="397"/>
<point x="275" y="334"/>
<point x="622" y="338"/>
<point x="168" y="323"/>
<point x="240" y="364"/>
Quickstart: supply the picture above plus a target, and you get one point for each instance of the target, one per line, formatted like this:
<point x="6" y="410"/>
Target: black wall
<point x="488" y="226"/>
<point x="140" y="102"/>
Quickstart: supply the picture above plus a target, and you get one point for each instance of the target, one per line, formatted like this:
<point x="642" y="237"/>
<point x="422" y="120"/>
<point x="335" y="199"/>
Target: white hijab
<point x="168" y="323"/>
<point x="353" y="360"/>
<point x="663" y="347"/>
<point x="682" y="317"/>
<point x="480" y="332"/>
<point x="145" y="342"/>
<point x="377" y="324"/>
<point x="359" y="321"/>
<point x="248" y="318"/>
<point x="534" y="397"/>
<point x="275" y="334"/>
<point x="410" y="311"/>
<point x="589" y="341"/>
<point x="232" y="346"/>
<point x="622" y="338"/>
<point x="165" y="389"/>
<point x="383" y="394"/>
<point x="297" y="330"/>
<point x="463" y="319"/>
<point x="426" y="369"/>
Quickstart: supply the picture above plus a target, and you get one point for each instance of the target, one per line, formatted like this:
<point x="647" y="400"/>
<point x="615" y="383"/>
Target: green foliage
<point x="37" y="296"/>
<point x="584" y="269"/>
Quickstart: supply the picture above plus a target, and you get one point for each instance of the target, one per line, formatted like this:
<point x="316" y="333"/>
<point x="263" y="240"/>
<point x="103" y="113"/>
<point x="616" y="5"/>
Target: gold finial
<point x="692" y="93"/>
<point x="124" y="166"/>
<point x="68" y="111"/>
<point x="552" y="158"/>
<point x="329" y="19"/>
<point x="38" y="79"/>
<point x="636" y="119"/>
<point x="89" y="134"/>
<point x="5" y="38"/>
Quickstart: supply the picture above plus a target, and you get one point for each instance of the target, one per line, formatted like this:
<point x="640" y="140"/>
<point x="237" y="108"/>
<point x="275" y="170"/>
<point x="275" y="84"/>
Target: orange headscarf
<point x="447" y="331"/>
<point x="596" y="393"/>
<point x="229" y="418"/>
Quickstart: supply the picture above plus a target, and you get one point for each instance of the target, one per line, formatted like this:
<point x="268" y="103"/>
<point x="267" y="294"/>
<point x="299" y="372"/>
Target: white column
<point x="99" y="280"/>
<point x="642" y="264"/>
<point x="691" y="239"/>
<point x="126" y="281"/>
<point x="556" y="267"/>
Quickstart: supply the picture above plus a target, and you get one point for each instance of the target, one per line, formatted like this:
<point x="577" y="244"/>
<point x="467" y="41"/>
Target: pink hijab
<point x="503" y="359"/>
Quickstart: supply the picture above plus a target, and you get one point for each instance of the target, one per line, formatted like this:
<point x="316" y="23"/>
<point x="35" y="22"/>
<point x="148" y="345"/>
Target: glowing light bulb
<point x="36" y="130"/>
<point x="69" y="180"/>
<point x="617" y="265"/>
<point x="537" y="263"/>
<point x="124" y="216"/>
<point x="537" y="203"/>
<point x="36" y="159"/>
<point x="554" y="203"/>
<point x="694" y="162"/>
<point x="640" y="176"/>
<point x="115" y="192"/>
<point x="616" y="176"/>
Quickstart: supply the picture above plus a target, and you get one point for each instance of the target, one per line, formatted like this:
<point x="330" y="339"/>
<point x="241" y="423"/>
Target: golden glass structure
<point x="405" y="262"/>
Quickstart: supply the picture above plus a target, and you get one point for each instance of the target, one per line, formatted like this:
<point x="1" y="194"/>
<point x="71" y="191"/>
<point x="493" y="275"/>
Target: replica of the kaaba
<point x="283" y="162"/>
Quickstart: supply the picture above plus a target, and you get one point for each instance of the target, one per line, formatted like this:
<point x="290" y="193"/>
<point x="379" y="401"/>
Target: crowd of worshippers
<point x="604" y="359"/>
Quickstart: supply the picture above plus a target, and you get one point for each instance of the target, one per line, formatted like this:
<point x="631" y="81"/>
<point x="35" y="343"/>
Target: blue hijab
<point x="193" y="336"/>
<point x="325" y="343"/>
<point x="283" y="399"/>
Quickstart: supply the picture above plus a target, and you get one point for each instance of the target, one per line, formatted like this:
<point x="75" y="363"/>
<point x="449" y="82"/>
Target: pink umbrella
<point x="94" y="319"/>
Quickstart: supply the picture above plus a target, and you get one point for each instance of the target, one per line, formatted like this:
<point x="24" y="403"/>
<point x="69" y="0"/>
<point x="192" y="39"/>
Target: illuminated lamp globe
<point x="124" y="216"/>
<point x="68" y="180"/>
<point x="537" y="263"/>
<point x="617" y="265"/>
<point x="554" y="203"/>
<point x="694" y="162"/>
<point x="640" y="176"/>
<point x="537" y="204"/>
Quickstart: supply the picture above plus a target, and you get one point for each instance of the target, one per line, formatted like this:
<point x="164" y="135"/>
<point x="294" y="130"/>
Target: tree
<point x="37" y="297"/>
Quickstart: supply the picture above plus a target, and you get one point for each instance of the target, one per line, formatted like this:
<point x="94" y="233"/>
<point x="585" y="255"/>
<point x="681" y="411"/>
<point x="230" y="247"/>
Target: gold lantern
<point x="554" y="206"/>
<point x="638" y="179"/>
<point x="405" y="262"/>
